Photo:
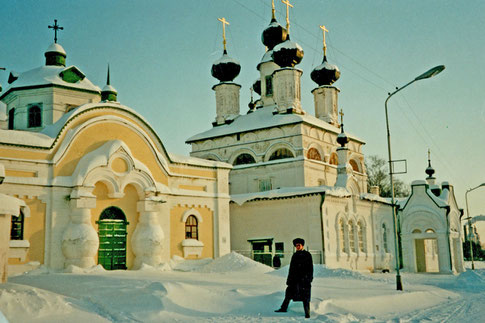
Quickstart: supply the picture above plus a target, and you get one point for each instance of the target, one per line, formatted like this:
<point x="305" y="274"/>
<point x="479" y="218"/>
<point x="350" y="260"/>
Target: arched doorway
<point x="112" y="238"/>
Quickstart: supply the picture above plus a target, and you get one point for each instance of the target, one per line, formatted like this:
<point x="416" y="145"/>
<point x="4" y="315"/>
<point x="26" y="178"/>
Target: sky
<point x="160" y="54"/>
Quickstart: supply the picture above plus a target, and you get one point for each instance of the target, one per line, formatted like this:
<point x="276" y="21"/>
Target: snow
<point x="55" y="47"/>
<point x="235" y="288"/>
<point x="240" y="199"/>
<point x="192" y="243"/>
<point x="226" y="59"/>
<point x="327" y="66"/>
<point x="264" y="118"/>
<point x="288" y="44"/>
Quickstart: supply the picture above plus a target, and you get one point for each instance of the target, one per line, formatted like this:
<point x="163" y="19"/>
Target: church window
<point x="281" y="154"/>
<point x="11" y="117"/>
<point x="354" y="165"/>
<point x="353" y="245"/>
<point x="341" y="235"/>
<point x="17" y="228"/>
<point x="34" y="116"/>
<point x="191" y="228"/>
<point x="244" y="159"/>
<point x="384" y="238"/>
<point x="269" y="85"/>
<point x="361" y="234"/>
<point x="265" y="184"/>
<point x="333" y="159"/>
<point x="314" y="154"/>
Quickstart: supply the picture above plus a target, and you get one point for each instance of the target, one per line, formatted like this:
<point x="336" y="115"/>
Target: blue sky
<point x="160" y="53"/>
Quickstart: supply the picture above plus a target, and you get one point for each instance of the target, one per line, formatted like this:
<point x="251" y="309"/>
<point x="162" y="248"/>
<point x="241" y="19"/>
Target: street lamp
<point x="469" y="221"/>
<point x="432" y="72"/>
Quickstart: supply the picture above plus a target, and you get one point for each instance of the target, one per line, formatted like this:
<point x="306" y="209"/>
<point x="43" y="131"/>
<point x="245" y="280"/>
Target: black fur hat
<point x="298" y="240"/>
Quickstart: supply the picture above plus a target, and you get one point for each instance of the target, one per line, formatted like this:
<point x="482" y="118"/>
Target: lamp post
<point x="432" y="72"/>
<point x="469" y="222"/>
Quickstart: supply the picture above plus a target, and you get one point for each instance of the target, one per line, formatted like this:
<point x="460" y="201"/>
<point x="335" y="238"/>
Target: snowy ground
<point x="236" y="289"/>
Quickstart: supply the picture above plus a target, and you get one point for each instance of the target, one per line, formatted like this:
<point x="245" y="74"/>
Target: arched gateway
<point x="112" y="238"/>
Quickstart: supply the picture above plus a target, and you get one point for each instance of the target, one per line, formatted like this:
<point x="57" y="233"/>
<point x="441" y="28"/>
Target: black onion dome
<point x="287" y="53"/>
<point x="257" y="86"/>
<point x="430" y="171"/>
<point x="273" y="35"/>
<point x="226" y="68"/>
<point x="342" y="138"/>
<point x="325" y="73"/>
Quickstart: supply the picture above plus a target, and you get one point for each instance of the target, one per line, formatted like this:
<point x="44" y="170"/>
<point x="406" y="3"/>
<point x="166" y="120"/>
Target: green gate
<point x="112" y="239"/>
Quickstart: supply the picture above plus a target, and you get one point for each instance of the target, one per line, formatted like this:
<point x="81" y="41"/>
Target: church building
<point x="99" y="186"/>
<point x="300" y="175"/>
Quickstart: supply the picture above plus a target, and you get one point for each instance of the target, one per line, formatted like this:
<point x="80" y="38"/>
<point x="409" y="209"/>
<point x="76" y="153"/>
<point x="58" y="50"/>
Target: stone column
<point x="227" y="102"/>
<point x="147" y="240"/>
<point x="80" y="241"/>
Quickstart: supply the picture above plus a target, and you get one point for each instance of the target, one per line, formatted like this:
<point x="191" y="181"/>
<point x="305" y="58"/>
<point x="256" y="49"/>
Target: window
<point x="314" y="154"/>
<point x="353" y="245"/>
<point x="265" y="185"/>
<point x="11" y="117"/>
<point x="191" y="228"/>
<point x="34" y="116"/>
<point x="354" y="165"/>
<point x="384" y="238"/>
<point x="361" y="234"/>
<point x="281" y="154"/>
<point x="342" y="236"/>
<point x="17" y="228"/>
<point x="269" y="85"/>
<point x="244" y="159"/>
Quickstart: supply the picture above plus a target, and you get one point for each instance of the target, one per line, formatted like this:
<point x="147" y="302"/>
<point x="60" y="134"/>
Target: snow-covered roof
<point x="181" y="159"/>
<point x="49" y="75"/>
<point x="264" y="118"/>
<point x="375" y="198"/>
<point x="287" y="192"/>
<point x="56" y="48"/>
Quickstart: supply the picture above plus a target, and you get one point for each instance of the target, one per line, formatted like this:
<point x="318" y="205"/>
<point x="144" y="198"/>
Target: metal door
<point x="112" y="243"/>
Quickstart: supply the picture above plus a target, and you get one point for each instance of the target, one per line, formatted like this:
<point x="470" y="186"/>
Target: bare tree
<point x="378" y="175"/>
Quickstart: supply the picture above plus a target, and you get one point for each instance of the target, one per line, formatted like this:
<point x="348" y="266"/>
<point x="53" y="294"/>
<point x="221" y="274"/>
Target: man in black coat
<point x="300" y="278"/>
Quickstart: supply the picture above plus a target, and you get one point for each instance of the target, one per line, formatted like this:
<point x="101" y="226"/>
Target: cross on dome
<point x="56" y="27"/>
<point x="322" y="27"/>
<point x="288" y="5"/>
<point x="341" y="116"/>
<point x="224" y="23"/>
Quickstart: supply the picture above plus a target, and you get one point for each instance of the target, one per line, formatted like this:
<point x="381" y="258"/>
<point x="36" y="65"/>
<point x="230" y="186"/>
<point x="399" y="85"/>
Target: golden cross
<point x="288" y="5"/>
<point x="224" y="23"/>
<point x="322" y="27"/>
<point x="273" y="10"/>
<point x="429" y="155"/>
<point x="341" y="116"/>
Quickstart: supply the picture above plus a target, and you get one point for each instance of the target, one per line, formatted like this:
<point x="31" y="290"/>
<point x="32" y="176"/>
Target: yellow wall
<point x="95" y="136"/>
<point x="127" y="204"/>
<point x="34" y="231"/>
<point x="177" y="230"/>
<point x="194" y="172"/>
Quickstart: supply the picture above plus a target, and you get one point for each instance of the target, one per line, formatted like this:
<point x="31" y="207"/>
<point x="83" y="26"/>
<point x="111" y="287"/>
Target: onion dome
<point x="274" y="34"/>
<point x="325" y="73"/>
<point x="257" y="86"/>
<point x="226" y="68"/>
<point x="55" y="55"/>
<point x="429" y="170"/>
<point x="287" y="53"/>
<point x="109" y="93"/>
<point x="342" y="138"/>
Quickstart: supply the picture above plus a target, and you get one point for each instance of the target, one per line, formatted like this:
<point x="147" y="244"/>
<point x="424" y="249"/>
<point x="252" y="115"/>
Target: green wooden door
<point x="112" y="243"/>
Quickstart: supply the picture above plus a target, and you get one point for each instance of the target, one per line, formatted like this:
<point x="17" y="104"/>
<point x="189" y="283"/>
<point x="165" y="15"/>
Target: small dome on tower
<point x="109" y="93"/>
<point x="257" y="86"/>
<point x="287" y="53"/>
<point x="274" y="34"/>
<point x="429" y="171"/>
<point x="342" y="138"/>
<point x="325" y="73"/>
<point x="226" y="68"/>
<point x="55" y="55"/>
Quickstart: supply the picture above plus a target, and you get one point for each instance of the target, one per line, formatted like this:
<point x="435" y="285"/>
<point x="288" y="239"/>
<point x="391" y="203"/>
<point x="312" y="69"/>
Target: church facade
<point x="300" y="175"/>
<point x="99" y="186"/>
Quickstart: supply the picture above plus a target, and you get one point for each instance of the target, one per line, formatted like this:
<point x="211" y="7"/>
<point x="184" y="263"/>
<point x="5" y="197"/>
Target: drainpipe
<point x="448" y="234"/>
<point x="322" y="260"/>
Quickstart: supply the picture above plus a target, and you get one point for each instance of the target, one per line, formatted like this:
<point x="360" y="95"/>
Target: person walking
<point x="300" y="277"/>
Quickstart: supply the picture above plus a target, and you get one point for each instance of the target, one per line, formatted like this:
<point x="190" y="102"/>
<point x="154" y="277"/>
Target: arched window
<point x="333" y="159"/>
<point x="361" y="234"/>
<point x="281" y="154"/>
<point x="341" y="235"/>
<point x="244" y="159"/>
<point x="191" y="228"/>
<point x="314" y="154"/>
<point x="34" y="116"/>
<point x="17" y="228"/>
<point x="384" y="238"/>
<point x="112" y="213"/>
<point x="353" y="245"/>
<point x="11" y="118"/>
<point x="354" y="165"/>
